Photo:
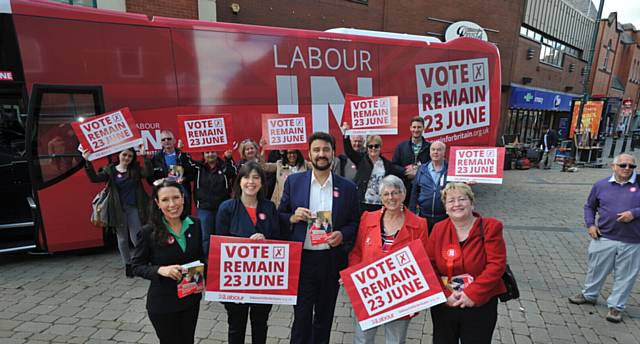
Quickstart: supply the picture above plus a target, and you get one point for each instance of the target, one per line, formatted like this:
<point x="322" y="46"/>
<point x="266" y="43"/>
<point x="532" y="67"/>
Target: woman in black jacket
<point x="372" y="167"/>
<point x="127" y="204"/>
<point x="214" y="179"/>
<point x="169" y="240"/>
<point x="250" y="215"/>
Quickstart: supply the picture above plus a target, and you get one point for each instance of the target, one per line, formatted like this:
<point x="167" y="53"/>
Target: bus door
<point x="17" y="218"/>
<point x="62" y="191"/>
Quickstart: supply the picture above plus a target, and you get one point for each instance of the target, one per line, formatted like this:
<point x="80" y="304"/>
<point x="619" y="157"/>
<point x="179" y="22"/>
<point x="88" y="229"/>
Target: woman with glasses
<point x="170" y="240"/>
<point x="379" y="233"/>
<point x="372" y="167"/>
<point x="127" y="204"/>
<point x="468" y="252"/>
<point x="249" y="215"/>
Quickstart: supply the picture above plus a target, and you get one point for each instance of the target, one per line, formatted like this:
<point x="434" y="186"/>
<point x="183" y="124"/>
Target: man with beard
<point x="306" y="194"/>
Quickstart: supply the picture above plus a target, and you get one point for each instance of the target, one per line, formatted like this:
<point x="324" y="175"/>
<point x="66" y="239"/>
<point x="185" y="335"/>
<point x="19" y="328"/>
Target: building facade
<point x="616" y="74"/>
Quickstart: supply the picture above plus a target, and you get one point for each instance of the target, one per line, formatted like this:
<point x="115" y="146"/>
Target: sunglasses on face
<point x="376" y="146"/>
<point x="166" y="139"/>
<point x="631" y="166"/>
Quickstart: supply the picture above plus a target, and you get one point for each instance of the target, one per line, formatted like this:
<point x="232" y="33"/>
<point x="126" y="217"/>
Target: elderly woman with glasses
<point x="372" y="167"/>
<point x="469" y="254"/>
<point x="379" y="233"/>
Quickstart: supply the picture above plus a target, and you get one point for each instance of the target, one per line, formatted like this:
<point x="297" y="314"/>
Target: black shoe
<point x="128" y="271"/>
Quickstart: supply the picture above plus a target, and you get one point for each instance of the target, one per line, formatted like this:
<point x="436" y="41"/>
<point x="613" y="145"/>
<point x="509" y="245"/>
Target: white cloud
<point x="628" y="10"/>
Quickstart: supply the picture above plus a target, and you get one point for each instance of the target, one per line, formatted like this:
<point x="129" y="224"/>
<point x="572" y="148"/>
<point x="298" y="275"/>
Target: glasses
<point x="390" y="194"/>
<point x="376" y="146"/>
<point x="457" y="200"/>
<point x="166" y="139"/>
<point x="631" y="166"/>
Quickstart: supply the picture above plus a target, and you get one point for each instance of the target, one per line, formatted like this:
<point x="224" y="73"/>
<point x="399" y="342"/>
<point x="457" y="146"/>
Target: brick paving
<point x="84" y="297"/>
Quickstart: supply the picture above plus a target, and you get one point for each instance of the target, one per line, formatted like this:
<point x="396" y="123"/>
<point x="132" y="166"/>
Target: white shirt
<point x="320" y="199"/>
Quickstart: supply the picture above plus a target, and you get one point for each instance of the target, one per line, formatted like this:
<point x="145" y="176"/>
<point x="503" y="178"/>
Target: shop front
<point x="531" y="108"/>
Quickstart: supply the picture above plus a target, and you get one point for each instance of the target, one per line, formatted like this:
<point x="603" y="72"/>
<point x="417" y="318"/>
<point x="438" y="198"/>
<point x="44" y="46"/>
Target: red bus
<point x="61" y="62"/>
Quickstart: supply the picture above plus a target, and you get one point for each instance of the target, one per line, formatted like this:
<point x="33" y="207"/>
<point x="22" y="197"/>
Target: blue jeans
<point x="395" y="332"/>
<point x="610" y="255"/>
<point x="208" y="224"/>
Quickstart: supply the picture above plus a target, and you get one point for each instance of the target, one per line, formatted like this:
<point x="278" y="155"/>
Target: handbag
<point x="508" y="278"/>
<point x="100" y="207"/>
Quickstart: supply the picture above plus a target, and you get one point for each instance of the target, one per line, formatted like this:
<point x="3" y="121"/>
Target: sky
<point x="628" y="10"/>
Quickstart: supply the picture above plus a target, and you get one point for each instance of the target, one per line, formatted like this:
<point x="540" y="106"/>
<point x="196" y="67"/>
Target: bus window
<point x="56" y="143"/>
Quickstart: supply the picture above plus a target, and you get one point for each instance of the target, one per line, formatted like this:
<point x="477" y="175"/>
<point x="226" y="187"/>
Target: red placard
<point x="205" y="133"/>
<point x="476" y="164"/>
<point x="108" y="133"/>
<point x="400" y="283"/>
<point x="371" y="115"/>
<point x="286" y="131"/>
<point x="249" y="271"/>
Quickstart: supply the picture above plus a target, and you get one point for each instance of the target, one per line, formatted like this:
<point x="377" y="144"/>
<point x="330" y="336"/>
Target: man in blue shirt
<point x="616" y="236"/>
<point x="424" y="199"/>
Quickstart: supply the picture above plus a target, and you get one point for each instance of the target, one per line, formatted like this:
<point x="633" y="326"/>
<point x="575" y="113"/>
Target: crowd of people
<point x="372" y="206"/>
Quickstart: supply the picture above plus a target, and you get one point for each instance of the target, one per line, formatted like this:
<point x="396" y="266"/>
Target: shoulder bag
<point x="508" y="278"/>
<point x="99" y="208"/>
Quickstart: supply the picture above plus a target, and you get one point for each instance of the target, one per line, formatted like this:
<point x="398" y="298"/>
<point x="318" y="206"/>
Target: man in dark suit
<point x="306" y="194"/>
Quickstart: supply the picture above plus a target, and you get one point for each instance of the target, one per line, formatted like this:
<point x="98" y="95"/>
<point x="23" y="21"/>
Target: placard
<point x="286" y="131"/>
<point x="108" y="133"/>
<point x="205" y="133"/>
<point x="250" y="271"/>
<point x="453" y="96"/>
<point x="476" y="164"/>
<point x="398" y="284"/>
<point x="371" y="115"/>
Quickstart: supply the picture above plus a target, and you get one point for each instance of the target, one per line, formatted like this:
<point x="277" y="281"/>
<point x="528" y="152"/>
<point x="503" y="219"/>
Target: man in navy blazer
<point x="304" y="195"/>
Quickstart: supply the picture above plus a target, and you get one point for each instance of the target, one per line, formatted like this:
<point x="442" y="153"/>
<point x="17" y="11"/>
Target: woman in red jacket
<point x="382" y="231"/>
<point x="469" y="254"/>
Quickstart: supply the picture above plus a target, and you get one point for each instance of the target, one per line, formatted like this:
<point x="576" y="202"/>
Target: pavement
<point x="84" y="297"/>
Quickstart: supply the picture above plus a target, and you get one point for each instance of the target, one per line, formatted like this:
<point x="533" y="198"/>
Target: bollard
<point x="624" y="144"/>
<point x="613" y="148"/>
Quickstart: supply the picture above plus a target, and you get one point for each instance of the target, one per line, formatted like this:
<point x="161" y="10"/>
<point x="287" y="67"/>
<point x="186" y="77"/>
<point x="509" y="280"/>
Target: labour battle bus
<point x="60" y="63"/>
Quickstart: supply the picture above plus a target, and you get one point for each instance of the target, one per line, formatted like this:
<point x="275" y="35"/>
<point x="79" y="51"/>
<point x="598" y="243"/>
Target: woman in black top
<point x="169" y="240"/>
<point x="248" y="214"/>
<point x="127" y="204"/>
<point x="214" y="179"/>
<point x="372" y="167"/>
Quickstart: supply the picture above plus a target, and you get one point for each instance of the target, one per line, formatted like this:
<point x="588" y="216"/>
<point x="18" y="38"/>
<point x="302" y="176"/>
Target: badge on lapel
<point x="262" y="216"/>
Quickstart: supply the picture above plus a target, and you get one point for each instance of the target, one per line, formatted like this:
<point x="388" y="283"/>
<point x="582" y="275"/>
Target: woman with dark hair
<point x="250" y="215"/>
<point x="292" y="162"/>
<point x="169" y="240"/>
<point x="127" y="205"/>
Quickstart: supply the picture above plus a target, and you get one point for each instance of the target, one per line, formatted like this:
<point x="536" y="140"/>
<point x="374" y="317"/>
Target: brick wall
<point x="187" y="9"/>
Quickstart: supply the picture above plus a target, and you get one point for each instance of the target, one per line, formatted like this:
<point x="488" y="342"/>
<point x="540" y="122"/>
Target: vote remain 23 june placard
<point x="249" y="271"/>
<point x="398" y="284"/>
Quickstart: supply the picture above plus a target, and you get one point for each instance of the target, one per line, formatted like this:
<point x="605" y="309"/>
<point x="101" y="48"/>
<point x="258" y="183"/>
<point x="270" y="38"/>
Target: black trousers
<point x="464" y="325"/>
<point x="432" y="220"/>
<point x="176" y="327"/>
<point x="237" y="314"/>
<point x="317" y="294"/>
